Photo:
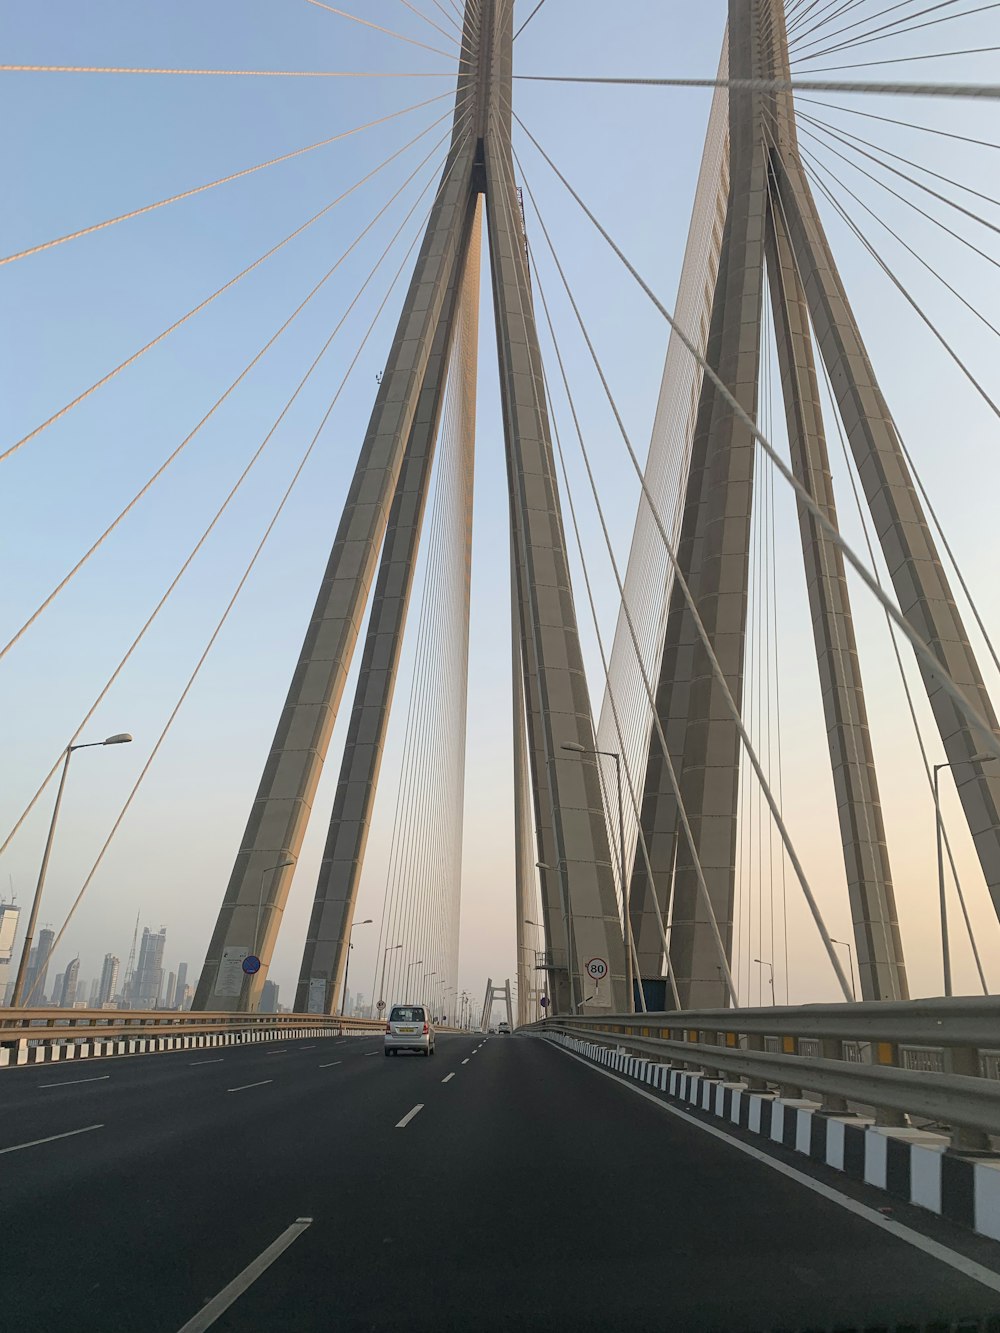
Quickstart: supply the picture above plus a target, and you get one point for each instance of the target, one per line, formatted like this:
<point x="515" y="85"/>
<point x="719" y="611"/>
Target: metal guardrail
<point x="67" y="1025"/>
<point x="929" y="1058"/>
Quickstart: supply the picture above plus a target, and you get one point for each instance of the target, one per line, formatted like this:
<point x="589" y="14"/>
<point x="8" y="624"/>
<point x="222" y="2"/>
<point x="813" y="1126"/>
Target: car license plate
<point x="407" y="1029"/>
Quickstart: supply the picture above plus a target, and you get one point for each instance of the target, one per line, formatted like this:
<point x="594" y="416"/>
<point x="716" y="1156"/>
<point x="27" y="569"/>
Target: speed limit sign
<point x="597" y="969"/>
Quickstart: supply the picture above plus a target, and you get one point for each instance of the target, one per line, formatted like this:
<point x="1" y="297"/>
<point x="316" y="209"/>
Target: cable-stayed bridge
<point x="679" y="609"/>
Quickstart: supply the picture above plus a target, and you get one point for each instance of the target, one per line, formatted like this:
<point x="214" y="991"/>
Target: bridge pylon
<point x="384" y="511"/>
<point x="773" y="242"/>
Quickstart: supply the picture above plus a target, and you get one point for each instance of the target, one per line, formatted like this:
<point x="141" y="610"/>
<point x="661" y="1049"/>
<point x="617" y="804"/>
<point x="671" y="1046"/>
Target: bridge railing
<point x="29" y="1036"/>
<point x="933" y="1059"/>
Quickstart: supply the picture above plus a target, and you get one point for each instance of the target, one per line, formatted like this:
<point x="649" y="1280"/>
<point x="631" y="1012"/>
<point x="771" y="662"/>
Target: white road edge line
<point x="65" y="1083"/>
<point x="51" y="1138"/>
<point x="244" y="1087"/>
<point x="401" y="1124"/>
<point x="447" y="1078"/>
<point x="968" y="1267"/>
<point x="195" y="1063"/>
<point x="219" y="1304"/>
<point x="330" y="1066"/>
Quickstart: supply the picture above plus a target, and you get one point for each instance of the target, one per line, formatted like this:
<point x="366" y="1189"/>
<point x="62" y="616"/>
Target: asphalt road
<point x="529" y="1192"/>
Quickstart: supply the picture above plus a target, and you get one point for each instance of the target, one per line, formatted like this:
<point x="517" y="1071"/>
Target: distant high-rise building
<point x="67" y="997"/>
<point x="148" y="979"/>
<point x="95" y="989"/>
<point x="269" y="998"/>
<point x="39" y="954"/>
<point x="168" y="999"/>
<point x="182" y="999"/>
<point x="109" y="979"/>
<point x="182" y="976"/>
<point x="57" y="990"/>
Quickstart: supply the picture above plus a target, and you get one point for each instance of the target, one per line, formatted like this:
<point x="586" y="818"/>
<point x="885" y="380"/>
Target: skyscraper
<point x="68" y="997"/>
<point x="181" y="988"/>
<point x="269" y="998"/>
<point x="39" y="954"/>
<point x="148" y="977"/>
<point x="168" y="999"/>
<point x="109" y="979"/>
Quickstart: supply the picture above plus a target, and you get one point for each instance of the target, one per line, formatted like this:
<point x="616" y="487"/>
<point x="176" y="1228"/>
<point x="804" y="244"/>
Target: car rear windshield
<point x="406" y="1014"/>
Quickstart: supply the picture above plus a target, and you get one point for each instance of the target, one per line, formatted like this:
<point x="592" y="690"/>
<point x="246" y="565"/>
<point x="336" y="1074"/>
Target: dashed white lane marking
<point x="330" y="1066"/>
<point x="370" y="1052"/>
<point x="305" y="1048"/>
<point x="401" y="1124"/>
<point x="447" y="1078"/>
<point x="915" y="1238"/>
<point x="65" y="1083"/>
<point x="51" y="1138"/>
<point x="244" y="1086"/>
<point x="283" y="1051"/>
<point x="219" y="1304"/>
<point x="465" y="1062"/>
<point x="196" y="1063"/>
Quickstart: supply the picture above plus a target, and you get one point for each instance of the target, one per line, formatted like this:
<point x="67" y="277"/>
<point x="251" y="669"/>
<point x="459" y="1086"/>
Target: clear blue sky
<point x="83" y="148"/>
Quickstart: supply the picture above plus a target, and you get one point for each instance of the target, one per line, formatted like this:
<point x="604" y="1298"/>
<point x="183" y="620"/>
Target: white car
<point x="504" y="1030"/>
<point x="409" y="1028"/>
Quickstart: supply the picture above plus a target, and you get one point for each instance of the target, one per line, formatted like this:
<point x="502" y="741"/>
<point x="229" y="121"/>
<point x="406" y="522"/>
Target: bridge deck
<point x="531" y="1191"/>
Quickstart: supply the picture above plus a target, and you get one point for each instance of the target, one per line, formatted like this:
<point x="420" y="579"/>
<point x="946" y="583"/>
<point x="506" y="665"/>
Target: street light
<point x="629" y="945"/>
<point x="119" y="738"/>
<point x="247" y="982"/>
<point x="942" y="904"/>
<point x="850" y="961"/>
<point x="423" y="987"/>
<point x="381" y="987"/>
<point x="764" y="963"/>
<point x="347" y="965"/>
<point x="567" y="928"/>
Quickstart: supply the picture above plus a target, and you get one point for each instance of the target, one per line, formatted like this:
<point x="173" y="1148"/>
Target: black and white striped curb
<point x="911" y="1164"/>
<point x="25" y="1052"/>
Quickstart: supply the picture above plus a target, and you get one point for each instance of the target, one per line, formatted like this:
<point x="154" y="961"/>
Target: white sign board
<point x="317" y="995"/>
<point x="597" y="969"/>
<point x="229" y="982"/>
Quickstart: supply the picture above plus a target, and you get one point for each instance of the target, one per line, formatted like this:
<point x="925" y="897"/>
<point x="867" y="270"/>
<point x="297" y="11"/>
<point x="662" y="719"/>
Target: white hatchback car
<point x="409" y="1029"/>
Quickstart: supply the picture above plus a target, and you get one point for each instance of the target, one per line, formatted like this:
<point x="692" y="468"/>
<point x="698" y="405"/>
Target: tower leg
<point x="327" y="938"/>
<point x="918" y="578"/>
<point x="869" y="879"/>
<point x="579" y="825"/>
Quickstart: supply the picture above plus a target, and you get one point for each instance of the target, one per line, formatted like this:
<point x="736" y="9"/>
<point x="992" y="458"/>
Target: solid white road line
<point x="330" y="1066"/>
<point x="51" y="1138"/>
<point x="195" y="1063"/>
<point x="65" y="1083"/>
<point x="218" y="1305"/>
<point x="401" y="1124"/>
<point x="447" y="1078"/>
<point x="968" y="1267"/>
<point x="465" y="1062"/>
<point x="244" y="1087"/>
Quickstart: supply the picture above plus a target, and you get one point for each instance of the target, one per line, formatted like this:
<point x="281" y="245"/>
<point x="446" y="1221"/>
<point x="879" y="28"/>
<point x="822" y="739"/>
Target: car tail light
<point x="426" y="1029"/>
<point x="388" y="1027"/>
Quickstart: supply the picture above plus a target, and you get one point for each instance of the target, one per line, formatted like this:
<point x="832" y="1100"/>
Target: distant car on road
<point x="409" y="1028"/>
<point x="504" y="1029"/>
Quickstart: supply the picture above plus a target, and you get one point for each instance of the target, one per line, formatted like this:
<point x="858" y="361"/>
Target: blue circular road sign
<point x="251" y="964"/>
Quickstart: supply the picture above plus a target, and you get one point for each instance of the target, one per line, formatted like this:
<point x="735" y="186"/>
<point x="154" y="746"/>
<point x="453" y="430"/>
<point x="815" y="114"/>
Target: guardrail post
<point x="886" y="1053"/>
<point x="965" y="1060"/>
<point x="755" y="1084"/>
<point x="830" y="1048"/>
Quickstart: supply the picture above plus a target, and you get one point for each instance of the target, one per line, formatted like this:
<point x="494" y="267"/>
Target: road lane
<point x="531" y="1192"/>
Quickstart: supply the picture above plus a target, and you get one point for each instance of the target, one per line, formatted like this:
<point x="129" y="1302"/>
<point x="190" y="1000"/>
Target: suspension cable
<point x="980" y="91"/>
<point x="200" y="189"/>
<point x="239" y="587"/>
<point x="130" y="360"/>
<point x="194" y="551"/>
